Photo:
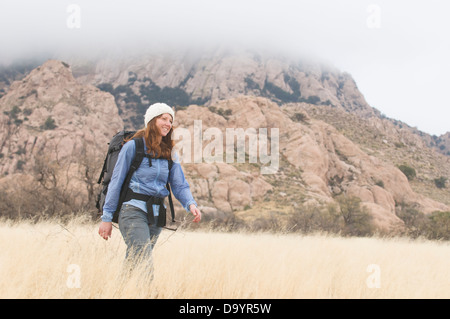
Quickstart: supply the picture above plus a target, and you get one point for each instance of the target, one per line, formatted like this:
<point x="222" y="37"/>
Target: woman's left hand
<point x="196" y="212"/>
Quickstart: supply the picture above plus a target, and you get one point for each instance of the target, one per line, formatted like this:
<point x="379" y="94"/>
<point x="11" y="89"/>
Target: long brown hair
<point x="157" y="145"/>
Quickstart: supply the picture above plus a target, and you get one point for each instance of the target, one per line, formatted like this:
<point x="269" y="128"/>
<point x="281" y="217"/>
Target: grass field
<point x="51" y="260"/>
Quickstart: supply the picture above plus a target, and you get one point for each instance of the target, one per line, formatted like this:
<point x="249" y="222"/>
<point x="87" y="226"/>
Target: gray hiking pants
<point x="139" y="236"/>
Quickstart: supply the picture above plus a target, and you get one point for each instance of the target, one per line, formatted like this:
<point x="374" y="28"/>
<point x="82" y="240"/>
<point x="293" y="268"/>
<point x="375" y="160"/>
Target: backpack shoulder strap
<point x="102" y="173"/>
<point x="139" y="155"/>
<point x="172" y="211"/>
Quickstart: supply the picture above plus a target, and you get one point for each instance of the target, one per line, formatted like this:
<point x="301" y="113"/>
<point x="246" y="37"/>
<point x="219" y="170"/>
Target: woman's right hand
<point x="105" y="230"/>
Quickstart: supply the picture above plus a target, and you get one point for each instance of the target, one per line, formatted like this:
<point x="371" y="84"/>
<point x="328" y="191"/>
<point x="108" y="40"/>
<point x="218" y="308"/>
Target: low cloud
<point x="383" y="44"/>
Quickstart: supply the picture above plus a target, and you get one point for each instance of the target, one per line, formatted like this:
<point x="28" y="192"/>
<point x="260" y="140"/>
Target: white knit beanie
<point x="157" y="109"/>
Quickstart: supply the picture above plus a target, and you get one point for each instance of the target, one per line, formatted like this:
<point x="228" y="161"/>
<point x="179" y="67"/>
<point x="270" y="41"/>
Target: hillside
<point x="392" y="141"/>
<point x="317" y="163"/>
<point x="53" y="132"/>
<point x="187" y="77"/>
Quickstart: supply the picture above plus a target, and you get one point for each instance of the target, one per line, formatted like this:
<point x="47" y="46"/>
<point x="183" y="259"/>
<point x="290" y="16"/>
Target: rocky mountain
<point x="317" y="163"/>
<point x="181" y="79"/>
<point x="15" y="72"/>
<point x="184" y="78"/>
<point x="53" y="131"/>
<point x="55" y="127"/>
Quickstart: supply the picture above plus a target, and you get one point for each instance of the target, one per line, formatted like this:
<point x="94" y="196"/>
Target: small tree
<point x="49" y="124"/>
<point x="300" y="117"/>
<point x="357" y="218"/>
<point x="415" y="221"/>
<point x="303" y="219"/>
<point x="440" y="182"/>
<point x="312" y="218"/>
<point x="409" y="172"/>
<point x="439" y="225"/>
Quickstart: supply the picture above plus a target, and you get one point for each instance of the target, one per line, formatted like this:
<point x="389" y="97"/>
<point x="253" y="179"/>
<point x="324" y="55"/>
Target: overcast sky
<point x="397" y="51"/>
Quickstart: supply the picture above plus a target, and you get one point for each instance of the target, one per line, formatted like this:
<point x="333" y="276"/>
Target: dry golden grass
<point x="49" y="260"/>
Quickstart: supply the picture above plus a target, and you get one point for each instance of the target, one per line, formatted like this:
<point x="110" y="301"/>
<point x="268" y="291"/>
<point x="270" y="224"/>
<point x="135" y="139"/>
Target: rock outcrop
<point x="184" y="78"/>
<point x="328" y="162"/>
<point x="49" y="121"/>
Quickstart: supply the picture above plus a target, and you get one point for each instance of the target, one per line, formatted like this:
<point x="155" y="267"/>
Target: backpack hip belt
<point x="150" y="201"/>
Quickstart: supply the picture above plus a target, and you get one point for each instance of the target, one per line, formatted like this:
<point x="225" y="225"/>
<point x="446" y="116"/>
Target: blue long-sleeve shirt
<point x="147" y="180"/>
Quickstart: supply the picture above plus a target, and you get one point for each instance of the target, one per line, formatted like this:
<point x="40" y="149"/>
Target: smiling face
<point x="164" y="124"/>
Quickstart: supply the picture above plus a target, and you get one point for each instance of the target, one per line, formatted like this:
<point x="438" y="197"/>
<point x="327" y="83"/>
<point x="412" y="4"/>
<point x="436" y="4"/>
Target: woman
<point x="138" y="226"/>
